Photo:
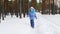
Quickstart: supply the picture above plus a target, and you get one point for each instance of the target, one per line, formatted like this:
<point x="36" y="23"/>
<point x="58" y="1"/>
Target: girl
<point x="32" y="15"/>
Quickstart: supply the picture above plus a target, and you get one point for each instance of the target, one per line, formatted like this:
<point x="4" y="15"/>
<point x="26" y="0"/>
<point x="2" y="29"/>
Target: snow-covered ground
<point x="44" y="24"/>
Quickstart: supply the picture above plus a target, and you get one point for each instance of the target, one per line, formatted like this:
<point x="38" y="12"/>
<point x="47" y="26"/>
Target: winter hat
<point x="32" y="7"/>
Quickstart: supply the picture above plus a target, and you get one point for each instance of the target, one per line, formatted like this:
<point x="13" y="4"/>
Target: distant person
<point x="32" y="15"/>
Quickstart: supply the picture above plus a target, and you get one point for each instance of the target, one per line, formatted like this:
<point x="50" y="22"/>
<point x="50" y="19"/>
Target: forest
<point x="19" y="7"/>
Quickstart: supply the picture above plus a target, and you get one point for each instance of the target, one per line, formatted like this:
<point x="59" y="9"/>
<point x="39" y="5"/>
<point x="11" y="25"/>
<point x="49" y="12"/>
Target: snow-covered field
<point x="44" y="24"/>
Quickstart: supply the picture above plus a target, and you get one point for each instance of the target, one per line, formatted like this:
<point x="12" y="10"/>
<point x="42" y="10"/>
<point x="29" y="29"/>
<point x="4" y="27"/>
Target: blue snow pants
<point x="32" y="23"/>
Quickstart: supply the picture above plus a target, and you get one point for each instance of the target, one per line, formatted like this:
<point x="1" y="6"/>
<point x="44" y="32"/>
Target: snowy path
<point x="43" y="25"/>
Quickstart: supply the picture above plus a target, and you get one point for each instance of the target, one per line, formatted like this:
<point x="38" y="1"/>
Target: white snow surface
<point x="44" y="24"/>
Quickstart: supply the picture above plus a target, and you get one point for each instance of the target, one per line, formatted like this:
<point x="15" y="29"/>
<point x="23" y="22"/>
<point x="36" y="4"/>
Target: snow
<point x="44" y="24"/>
